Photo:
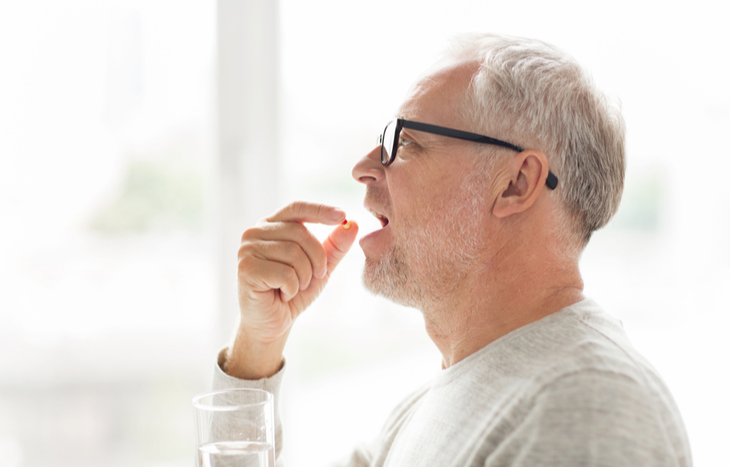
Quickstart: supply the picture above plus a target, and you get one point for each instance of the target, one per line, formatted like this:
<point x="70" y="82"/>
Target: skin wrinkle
<point x="436" y="256"/>
<point x="428" y="266"/>
<point x="458" y="233"/>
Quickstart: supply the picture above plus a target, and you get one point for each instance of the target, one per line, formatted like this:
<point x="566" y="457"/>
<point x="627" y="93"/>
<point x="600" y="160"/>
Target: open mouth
<point x="383" y="220"/>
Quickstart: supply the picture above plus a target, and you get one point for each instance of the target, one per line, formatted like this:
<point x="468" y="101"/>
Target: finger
<point x="291" y="232"/>
<point x="302" y="211"/>
<point x="263" y="276"/>
<point x="288" y="253"/>
<point x="338" y="244"/>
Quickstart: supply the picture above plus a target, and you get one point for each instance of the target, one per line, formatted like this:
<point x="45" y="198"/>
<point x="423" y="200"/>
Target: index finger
<point x="302" y="211"/>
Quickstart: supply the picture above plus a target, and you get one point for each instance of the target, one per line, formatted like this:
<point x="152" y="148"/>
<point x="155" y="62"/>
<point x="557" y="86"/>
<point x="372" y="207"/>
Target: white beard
<point x="429" y="261"/>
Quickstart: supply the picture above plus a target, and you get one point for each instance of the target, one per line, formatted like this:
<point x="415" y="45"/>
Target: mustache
<point x="378" y="197"/>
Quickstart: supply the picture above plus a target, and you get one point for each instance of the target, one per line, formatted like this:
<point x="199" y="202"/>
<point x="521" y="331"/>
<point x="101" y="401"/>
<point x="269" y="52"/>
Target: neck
<point x="506" y="293"/>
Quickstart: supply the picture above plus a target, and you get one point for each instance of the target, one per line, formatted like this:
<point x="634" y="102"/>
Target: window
<point x="113" y="249"/>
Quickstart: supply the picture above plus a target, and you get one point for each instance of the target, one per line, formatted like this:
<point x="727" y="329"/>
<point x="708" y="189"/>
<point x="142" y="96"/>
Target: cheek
<point x="413" y="204"/>
<point x="420" y="191"/>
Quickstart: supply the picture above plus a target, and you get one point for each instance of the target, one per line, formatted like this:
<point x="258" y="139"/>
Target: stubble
<point x="433" y="255"/>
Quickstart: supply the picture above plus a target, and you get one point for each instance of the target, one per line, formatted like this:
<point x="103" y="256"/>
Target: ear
<point x="525" y="176"/>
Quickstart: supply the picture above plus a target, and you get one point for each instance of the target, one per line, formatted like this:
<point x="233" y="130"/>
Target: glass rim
<point x="229" y="408"/>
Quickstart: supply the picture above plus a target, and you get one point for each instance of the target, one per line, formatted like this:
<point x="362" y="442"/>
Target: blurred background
<point x="138" y="139"/>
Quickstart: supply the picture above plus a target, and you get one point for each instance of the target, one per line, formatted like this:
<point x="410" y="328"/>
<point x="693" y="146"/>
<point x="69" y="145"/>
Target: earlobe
<point x="525" y="179"/>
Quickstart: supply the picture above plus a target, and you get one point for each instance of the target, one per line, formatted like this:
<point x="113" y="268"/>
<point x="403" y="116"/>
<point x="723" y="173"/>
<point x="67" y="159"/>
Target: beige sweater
<point x="567" y="390"/>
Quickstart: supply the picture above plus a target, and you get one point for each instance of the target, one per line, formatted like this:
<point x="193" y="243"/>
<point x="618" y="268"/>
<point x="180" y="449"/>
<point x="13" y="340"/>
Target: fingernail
<point x="346" y="224"/>
<point x="338" y="214"/>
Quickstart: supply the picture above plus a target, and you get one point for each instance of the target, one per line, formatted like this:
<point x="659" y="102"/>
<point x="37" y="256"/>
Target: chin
<point x="391" y="278"/>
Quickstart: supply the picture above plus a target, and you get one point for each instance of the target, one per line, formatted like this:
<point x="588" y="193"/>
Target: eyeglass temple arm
<point x="452" y="133"/>
<point x="551" y="181"/>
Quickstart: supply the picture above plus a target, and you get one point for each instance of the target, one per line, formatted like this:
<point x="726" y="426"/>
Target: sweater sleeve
<point x="589" y="418"/>
<point x="222" y="380"/>
<point x="361" y="457"/>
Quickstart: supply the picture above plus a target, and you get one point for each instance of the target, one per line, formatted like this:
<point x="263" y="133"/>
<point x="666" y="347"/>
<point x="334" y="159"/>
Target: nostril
<point x="366" y="179"/>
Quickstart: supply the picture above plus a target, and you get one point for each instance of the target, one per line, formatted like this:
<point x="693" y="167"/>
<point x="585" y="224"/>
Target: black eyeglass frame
<point x="386" y="158"/>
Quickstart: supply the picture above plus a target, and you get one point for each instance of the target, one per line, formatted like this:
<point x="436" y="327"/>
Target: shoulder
<point x="591" y="417"/>
<point x="578" y="386"/>
<point x="580" y="338"/>
<point x="589" y="393"/>
<point x="598" y="397"/>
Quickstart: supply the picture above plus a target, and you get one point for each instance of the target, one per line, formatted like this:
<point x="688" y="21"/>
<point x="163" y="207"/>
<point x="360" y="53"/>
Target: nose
<point x="369" y="169"/>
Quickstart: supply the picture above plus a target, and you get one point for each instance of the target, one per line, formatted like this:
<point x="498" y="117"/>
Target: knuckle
<point x="274" y="215"/>
<point x="245" y="264"/>
<point x="321" y="209"/>
<point x="245" y="249"/>
<point x="291" y="276"/>
<point x="298" y="207"/>
<point x="291" y="250"/>
<point x="250" y="234"/>
<point x="299" y="231"/>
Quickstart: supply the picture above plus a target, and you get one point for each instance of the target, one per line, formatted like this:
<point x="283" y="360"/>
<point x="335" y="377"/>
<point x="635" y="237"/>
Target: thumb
<point x="339" y="242"/>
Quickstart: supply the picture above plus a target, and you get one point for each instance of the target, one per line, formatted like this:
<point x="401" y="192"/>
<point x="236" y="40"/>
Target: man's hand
<point x="282" y="268"/>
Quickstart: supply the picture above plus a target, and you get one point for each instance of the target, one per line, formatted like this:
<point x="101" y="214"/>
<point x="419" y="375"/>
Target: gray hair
<point x="533" y="95"/>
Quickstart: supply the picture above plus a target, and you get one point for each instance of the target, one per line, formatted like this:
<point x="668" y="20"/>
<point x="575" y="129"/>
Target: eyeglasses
<point x="389" y="141"/>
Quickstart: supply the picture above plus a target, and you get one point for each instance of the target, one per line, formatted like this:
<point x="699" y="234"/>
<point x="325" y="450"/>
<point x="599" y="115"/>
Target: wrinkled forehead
<point x="438" y="94"/>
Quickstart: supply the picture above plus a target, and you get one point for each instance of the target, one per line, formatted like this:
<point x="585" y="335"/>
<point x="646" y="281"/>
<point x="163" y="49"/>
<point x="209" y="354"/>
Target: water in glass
<point x="236" y="454"/>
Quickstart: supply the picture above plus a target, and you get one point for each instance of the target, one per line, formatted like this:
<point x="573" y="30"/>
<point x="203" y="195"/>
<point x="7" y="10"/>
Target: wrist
<point x="252" y="359"/>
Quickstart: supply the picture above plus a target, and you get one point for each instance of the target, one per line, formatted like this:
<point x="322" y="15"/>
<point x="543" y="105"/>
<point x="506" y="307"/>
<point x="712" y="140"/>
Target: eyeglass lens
<point x="388" y="143"/>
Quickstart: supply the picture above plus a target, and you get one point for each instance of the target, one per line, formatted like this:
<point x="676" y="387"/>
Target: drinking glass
<point x="235" y="427"/>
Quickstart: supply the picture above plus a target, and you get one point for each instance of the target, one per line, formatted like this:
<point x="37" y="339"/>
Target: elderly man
<point x="503" y="160"/>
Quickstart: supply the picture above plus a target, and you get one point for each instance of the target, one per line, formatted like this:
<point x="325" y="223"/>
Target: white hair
<point x="535" y="96"/>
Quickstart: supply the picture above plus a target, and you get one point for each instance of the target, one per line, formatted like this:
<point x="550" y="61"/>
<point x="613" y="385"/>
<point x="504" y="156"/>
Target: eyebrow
<point x="415" y="133"/>
<point x="410" y="134"/>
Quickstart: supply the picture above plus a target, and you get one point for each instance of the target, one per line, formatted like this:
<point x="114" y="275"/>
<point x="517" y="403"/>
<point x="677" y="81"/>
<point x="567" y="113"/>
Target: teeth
<point x="383" y="220"/>
<point x="376" y="214"/>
